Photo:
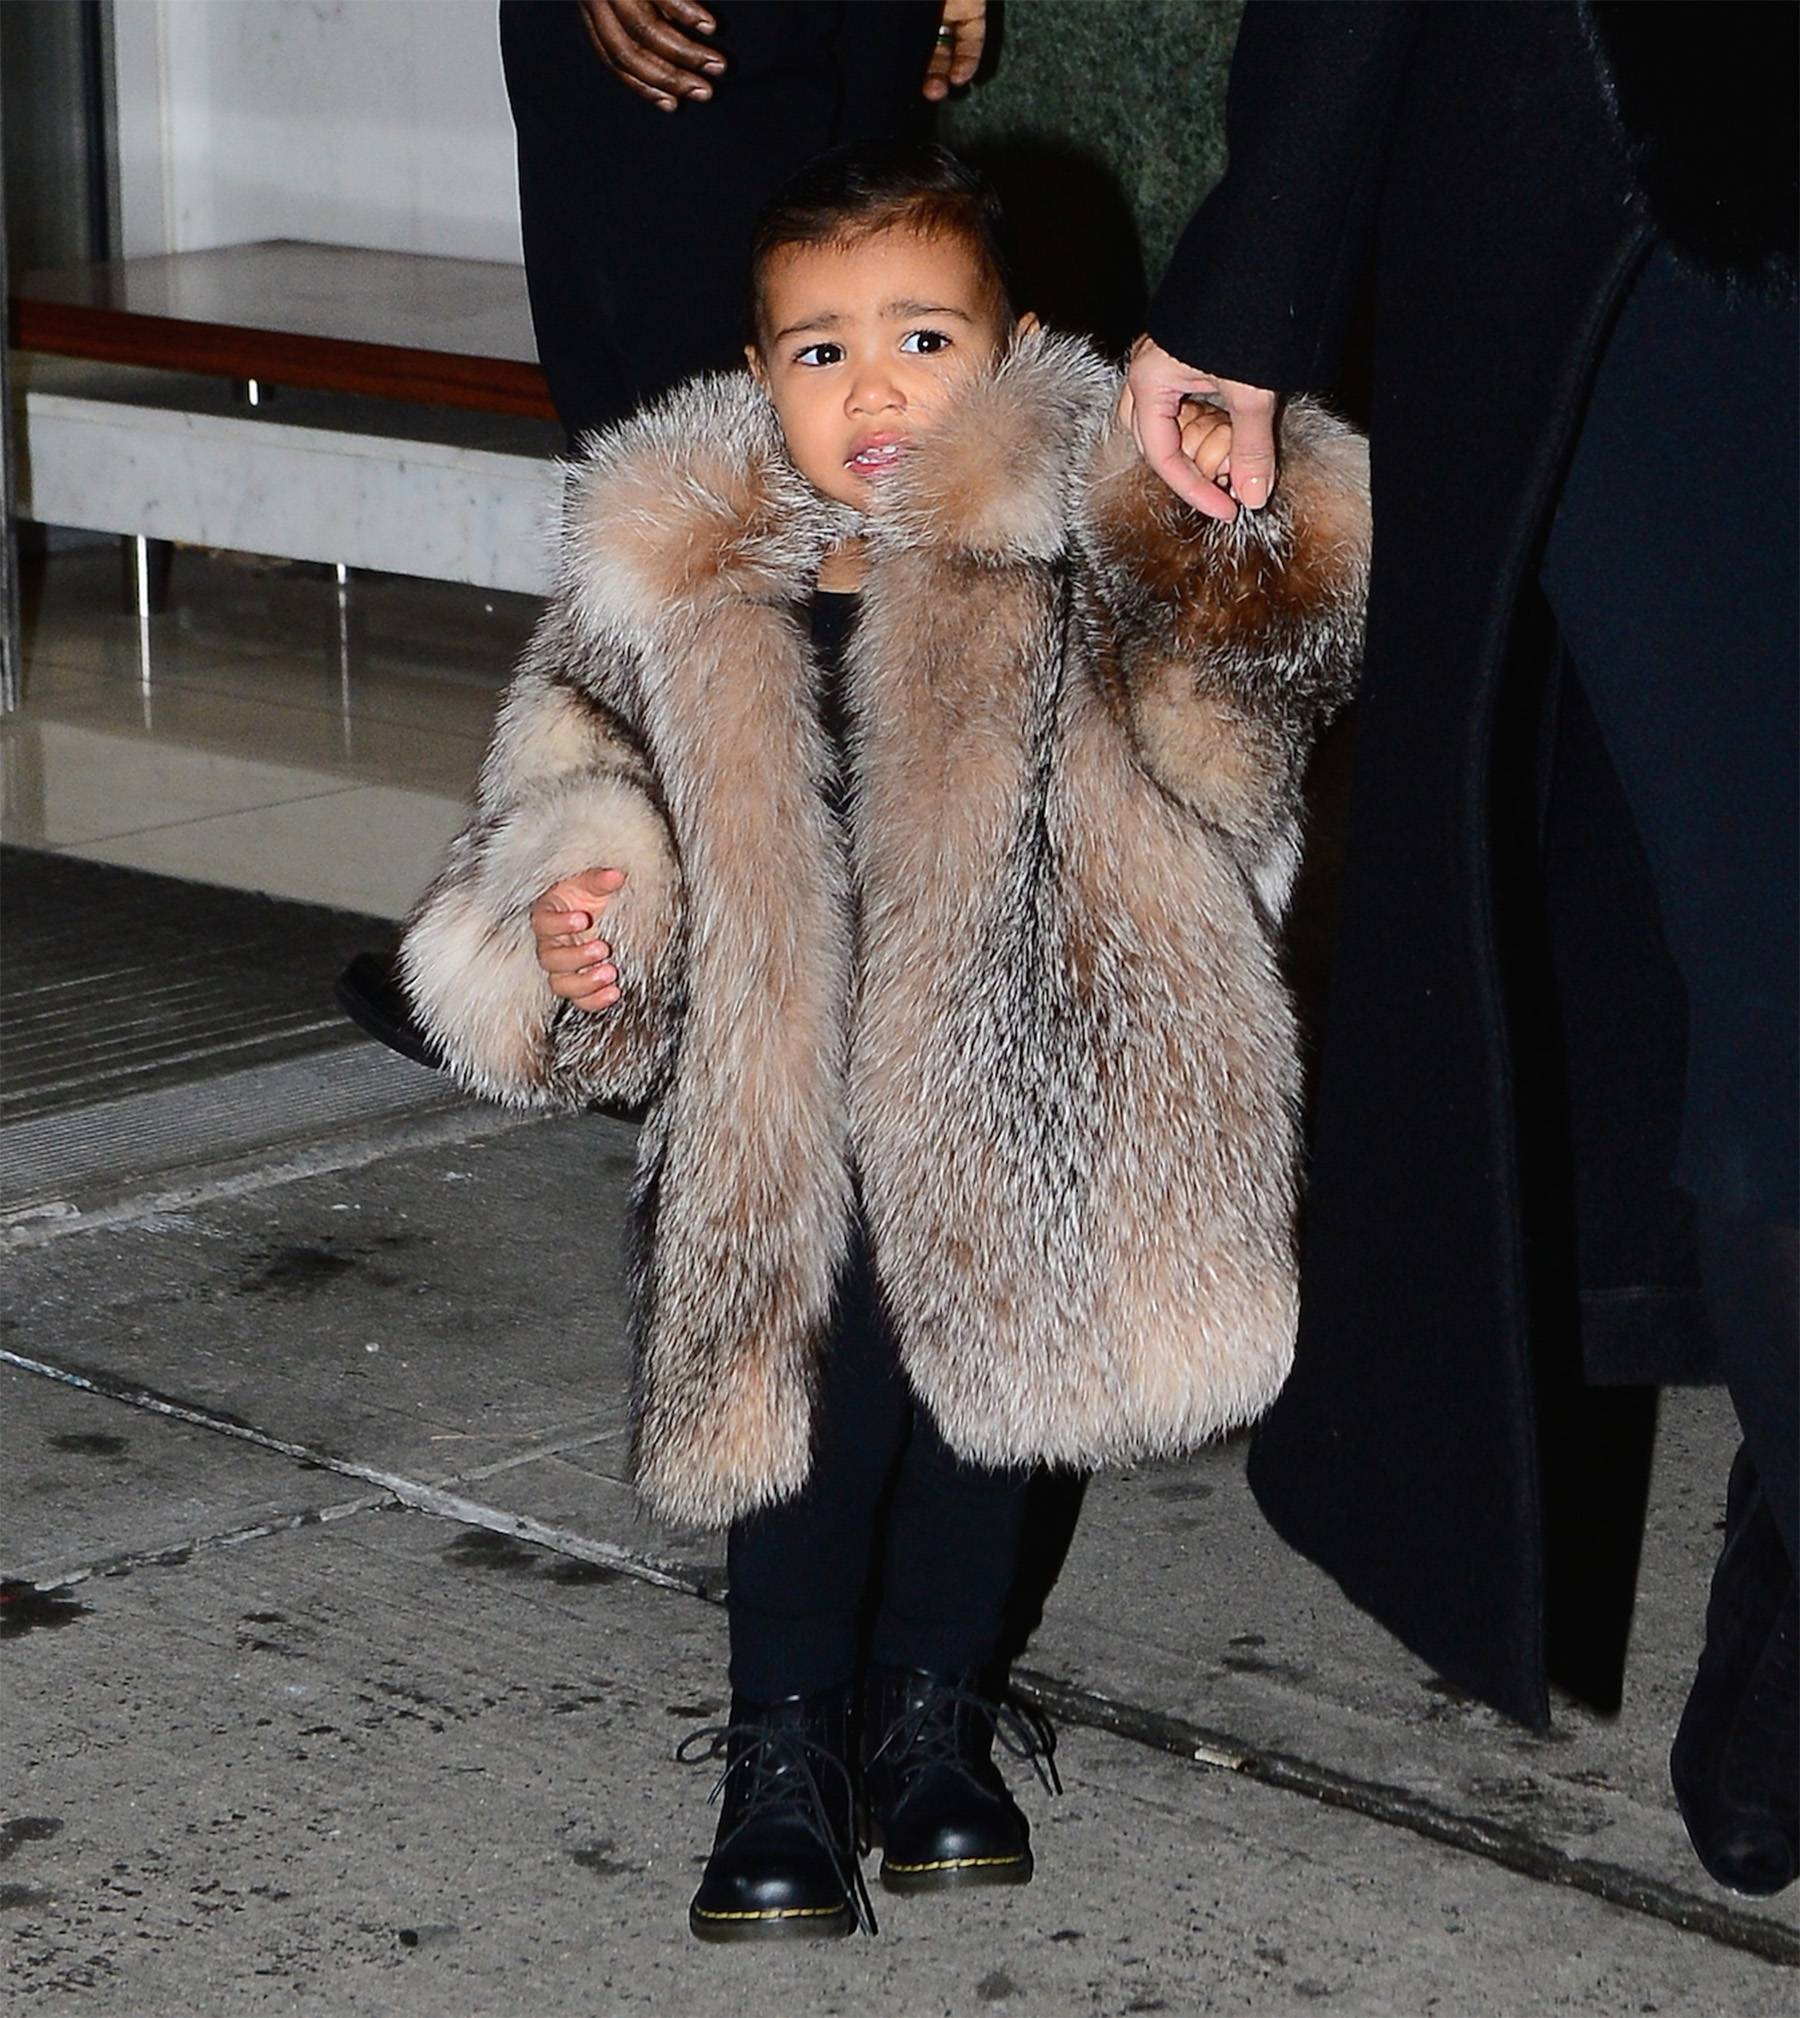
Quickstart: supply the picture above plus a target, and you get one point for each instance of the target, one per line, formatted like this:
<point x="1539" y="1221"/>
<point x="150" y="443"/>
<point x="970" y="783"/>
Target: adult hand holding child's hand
<point x="565" y="921"/>
<point x="1152" y="407"/>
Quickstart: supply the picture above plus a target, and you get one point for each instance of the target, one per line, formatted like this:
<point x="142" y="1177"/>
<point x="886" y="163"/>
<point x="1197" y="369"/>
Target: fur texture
<point x="1031" y="996"/>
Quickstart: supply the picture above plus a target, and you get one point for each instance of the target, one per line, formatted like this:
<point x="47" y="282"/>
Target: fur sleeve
<point x="564" y="787"/>
<point x="1234" y="643"/>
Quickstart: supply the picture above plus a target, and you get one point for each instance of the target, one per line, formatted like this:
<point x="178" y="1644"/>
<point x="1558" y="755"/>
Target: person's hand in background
<point x="1151" y="406"/>
<point x="962" y="34"/>
<point x="641" y="42"/>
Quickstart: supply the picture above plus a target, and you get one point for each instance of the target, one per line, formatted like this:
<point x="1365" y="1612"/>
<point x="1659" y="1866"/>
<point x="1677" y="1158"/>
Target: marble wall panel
<point x="350" y="122"/>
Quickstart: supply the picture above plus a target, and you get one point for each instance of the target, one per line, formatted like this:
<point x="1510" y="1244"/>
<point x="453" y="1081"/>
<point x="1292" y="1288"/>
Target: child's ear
<point x="753" y="358"/>
<point x="1026" y="324"/>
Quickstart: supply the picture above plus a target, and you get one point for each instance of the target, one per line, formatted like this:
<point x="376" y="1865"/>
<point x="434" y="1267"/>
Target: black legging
<point x="1670" y="567"/>
<point x="896" y="1546"/>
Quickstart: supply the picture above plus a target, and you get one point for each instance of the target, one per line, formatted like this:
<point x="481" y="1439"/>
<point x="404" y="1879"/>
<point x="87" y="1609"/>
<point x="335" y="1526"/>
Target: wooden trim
<point x="381" y="371"/>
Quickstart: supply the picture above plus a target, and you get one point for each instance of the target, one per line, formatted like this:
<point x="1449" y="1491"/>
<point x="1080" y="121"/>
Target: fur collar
<point x="1000" y="477"/>
<point x="695" y="501"/>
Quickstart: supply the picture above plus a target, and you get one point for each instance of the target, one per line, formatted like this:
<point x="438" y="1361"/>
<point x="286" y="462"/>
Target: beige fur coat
<point x="1030" y="994"/>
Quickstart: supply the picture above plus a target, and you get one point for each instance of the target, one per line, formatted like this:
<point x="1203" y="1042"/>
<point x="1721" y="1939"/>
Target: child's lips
<point x="875" y="454"/>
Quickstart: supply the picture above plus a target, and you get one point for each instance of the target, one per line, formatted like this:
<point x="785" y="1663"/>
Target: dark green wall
<point x="1102" y="121"/>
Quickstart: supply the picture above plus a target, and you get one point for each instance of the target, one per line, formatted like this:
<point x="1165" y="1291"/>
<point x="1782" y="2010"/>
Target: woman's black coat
<point x="1495" y="1263"/>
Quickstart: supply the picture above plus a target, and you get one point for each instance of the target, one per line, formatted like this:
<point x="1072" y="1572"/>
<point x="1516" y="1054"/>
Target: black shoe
<point x="369" y="993"/>
<point x="783" y="1863"/>
<point x="1735" y="1763"/>
<point x="936" y="1802"/>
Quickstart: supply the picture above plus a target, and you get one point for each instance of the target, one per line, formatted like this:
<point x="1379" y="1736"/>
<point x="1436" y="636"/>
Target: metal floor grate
<point x="155" y="1030"/>
<point x="114" y="982"/>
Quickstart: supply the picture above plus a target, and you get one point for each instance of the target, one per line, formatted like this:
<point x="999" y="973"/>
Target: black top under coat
<point x="832" y="617"/>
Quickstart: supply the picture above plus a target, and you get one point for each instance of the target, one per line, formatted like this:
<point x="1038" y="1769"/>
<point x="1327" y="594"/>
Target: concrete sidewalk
<point x="351" y="1675"/>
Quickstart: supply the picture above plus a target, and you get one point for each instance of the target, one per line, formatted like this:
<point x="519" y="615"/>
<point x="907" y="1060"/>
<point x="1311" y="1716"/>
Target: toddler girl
<point x="896" y="803"/>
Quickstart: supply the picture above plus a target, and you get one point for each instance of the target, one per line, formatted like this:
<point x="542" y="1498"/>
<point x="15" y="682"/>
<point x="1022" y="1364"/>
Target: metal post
<point x="138" y="549"/>
<point x="343" y="655"/>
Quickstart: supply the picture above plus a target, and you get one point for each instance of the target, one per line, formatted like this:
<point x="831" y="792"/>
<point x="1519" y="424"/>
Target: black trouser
<point x="637" y="222"/>
<point x="1671" y="570"/>
<point x="897" y="1548"/>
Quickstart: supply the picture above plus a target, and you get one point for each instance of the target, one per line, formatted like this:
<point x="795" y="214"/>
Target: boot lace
<point x="926" y="1735"/>
<point x="781" y="1770"/>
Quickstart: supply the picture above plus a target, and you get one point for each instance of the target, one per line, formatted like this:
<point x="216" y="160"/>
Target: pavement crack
<point x="1497" y="1842"/>
<point x="1500" y="1843"/>
<point x="395" y="1488"/>
<point x="172" y="1555"/>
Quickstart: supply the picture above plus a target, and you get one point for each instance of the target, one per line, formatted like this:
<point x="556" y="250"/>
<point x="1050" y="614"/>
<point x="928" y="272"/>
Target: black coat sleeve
<point x="1263" y="279"/>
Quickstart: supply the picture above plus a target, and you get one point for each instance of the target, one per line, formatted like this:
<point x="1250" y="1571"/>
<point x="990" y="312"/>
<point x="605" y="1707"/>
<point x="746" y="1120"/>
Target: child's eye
<point x="820" y="353"/>
<point x="924" y="342"/>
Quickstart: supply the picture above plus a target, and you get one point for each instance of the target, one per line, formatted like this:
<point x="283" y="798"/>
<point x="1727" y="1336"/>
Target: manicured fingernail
<point x="714" y="66"/>
<point x="699" y="93"/>
<point x="665" y="105"/>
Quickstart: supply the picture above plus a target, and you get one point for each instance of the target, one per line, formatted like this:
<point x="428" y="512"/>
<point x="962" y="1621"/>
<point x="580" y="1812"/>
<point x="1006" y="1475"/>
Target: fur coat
<point x="1022" y="1007"/>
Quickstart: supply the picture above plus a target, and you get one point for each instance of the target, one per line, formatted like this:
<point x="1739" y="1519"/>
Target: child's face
<point x="865" y="343"/>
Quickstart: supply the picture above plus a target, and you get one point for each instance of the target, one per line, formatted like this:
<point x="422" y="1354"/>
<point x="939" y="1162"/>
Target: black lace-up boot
<point x="784" y="1860"/>
<point x="1736" y="1761"/>
<point x="935" y="1800"/>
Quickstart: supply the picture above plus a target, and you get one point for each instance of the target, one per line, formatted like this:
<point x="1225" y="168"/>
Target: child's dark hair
<point x="849" y="194"/>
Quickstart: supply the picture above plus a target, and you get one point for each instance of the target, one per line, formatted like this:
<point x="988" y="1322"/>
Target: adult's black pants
<point x="637" y="222"/>
<point x="897" y="1550"/>
<point x="1671" y="568"/>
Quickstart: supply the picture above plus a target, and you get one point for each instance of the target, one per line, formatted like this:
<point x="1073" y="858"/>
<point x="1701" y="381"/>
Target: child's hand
<point x="1206" y="441"/>
<point x="565" y="921"/>
<point x="1156" y="404"/>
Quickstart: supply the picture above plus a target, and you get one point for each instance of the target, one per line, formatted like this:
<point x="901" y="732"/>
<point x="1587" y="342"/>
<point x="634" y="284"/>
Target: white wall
<point x="349" y="122"/>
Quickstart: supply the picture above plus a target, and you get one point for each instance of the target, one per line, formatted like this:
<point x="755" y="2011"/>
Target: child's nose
<point x="875" y="392"/>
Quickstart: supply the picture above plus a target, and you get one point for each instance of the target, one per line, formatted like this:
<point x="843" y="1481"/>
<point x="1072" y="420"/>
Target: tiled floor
<point x="264" y="734"/>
